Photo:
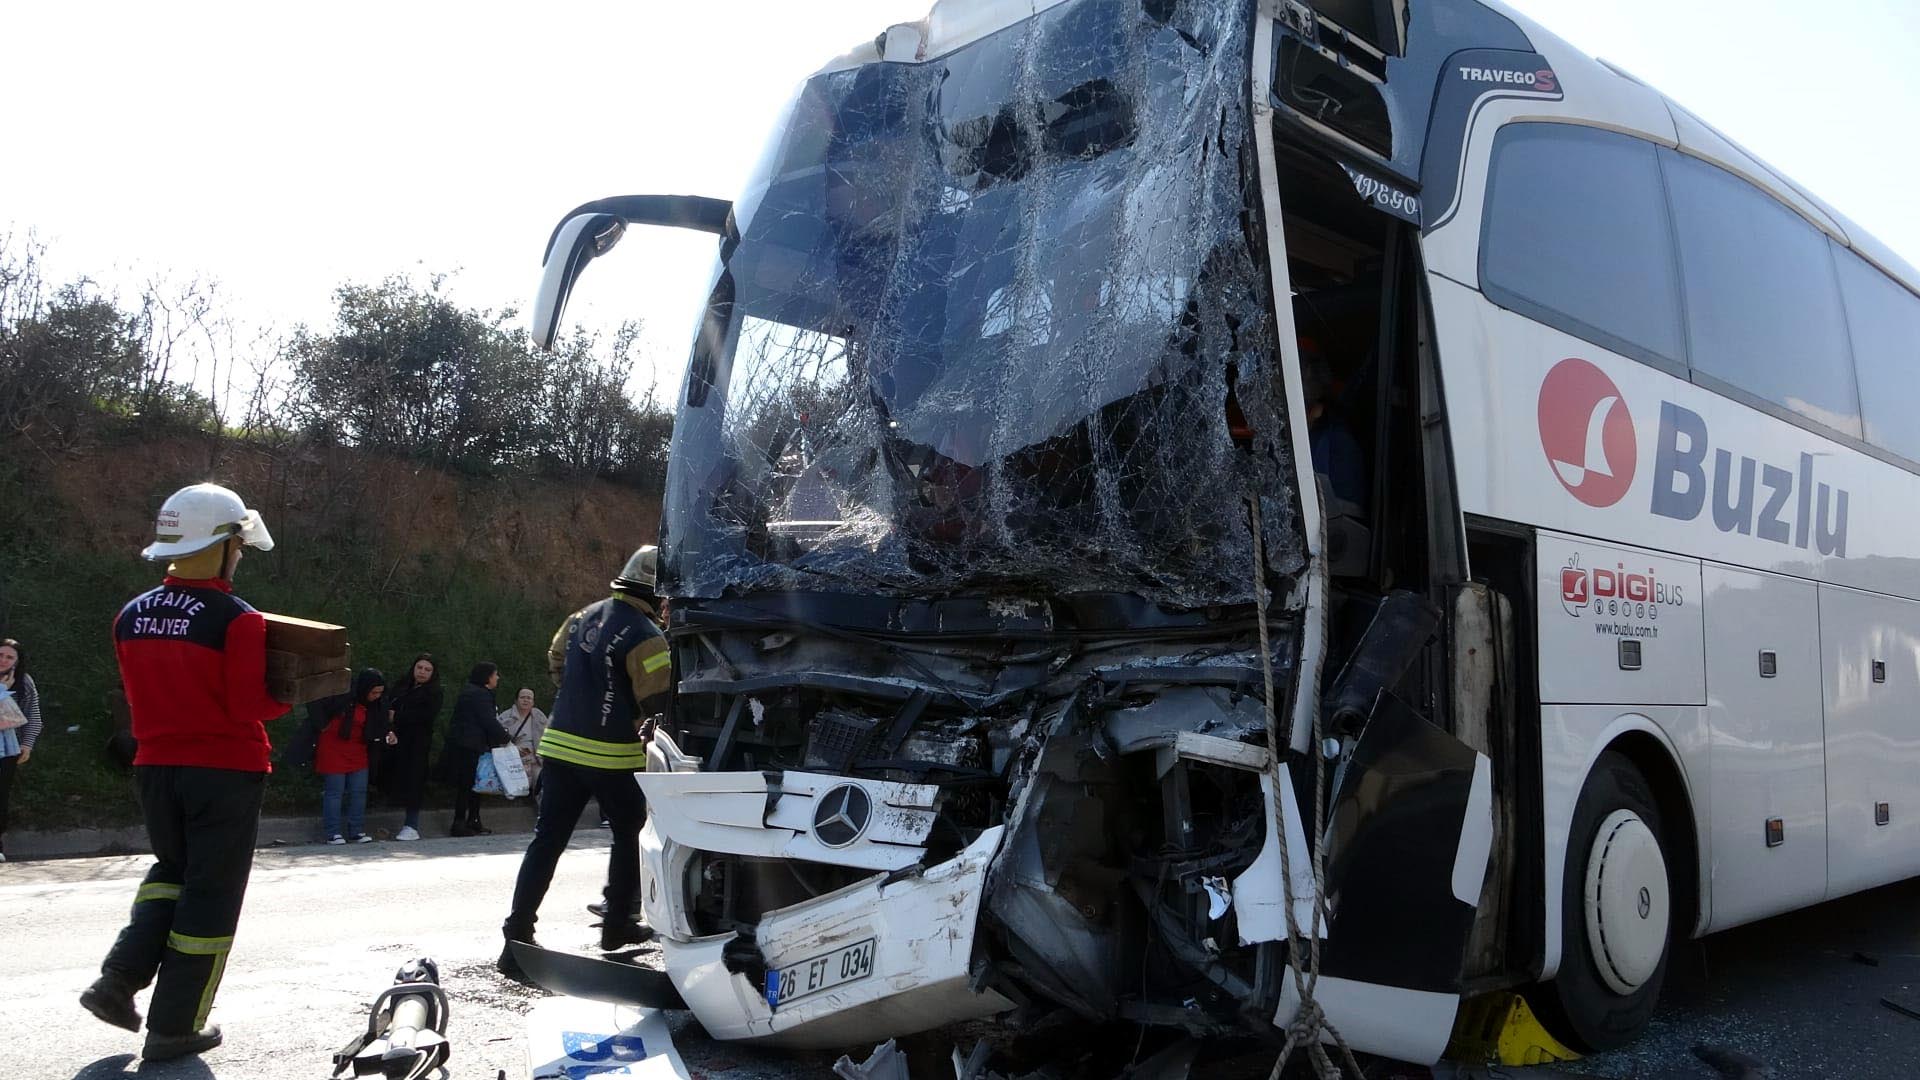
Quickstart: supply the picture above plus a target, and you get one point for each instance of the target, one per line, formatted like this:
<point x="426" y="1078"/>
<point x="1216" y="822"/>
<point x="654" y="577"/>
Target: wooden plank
<point x="285" y="633"/>
<point x="283" y="666"/>
<point x="310" y="687"/>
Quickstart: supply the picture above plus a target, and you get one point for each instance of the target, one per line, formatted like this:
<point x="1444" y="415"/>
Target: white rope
<point x="1305" y="1030"/>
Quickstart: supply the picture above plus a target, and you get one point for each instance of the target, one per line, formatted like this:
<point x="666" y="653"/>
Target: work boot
<point x="111" y="1002"/>
<point x="167" y="1047"/>
<point x="508" y="964"/>
<point x="599" y="910"/>
<point x="618" y="935"/>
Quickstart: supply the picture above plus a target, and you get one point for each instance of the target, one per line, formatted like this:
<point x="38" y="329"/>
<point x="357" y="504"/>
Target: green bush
<point x="61" y="604"/>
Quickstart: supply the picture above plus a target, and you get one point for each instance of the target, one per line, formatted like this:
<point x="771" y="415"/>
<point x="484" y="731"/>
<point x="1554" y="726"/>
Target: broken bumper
<point x="921" y="923"/>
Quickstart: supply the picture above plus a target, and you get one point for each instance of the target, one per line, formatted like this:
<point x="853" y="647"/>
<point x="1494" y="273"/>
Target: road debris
<point x="1903" y="1010"/>
<point x="885" y="1063"/>
<point x="570" y="1037"/>
<point x="1731" y="1064"/>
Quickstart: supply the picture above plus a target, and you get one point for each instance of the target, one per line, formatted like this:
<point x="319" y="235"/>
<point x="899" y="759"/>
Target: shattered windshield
<point x="995" y="321"/>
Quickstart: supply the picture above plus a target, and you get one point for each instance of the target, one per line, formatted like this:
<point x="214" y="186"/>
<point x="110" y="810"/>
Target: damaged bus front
<point x="987" y="465"/>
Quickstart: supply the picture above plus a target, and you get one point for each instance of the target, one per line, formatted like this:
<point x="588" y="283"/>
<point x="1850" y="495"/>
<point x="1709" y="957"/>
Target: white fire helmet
<point x="640" y="571"/>
<point x="196" y="518"/>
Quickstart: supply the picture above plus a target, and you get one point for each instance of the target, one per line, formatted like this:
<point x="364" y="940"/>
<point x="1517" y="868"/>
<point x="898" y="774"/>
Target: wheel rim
<point x="1627" y="902"/>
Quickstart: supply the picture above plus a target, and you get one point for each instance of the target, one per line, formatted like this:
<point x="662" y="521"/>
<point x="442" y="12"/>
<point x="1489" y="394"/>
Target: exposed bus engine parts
<point x="1056" y="810"/>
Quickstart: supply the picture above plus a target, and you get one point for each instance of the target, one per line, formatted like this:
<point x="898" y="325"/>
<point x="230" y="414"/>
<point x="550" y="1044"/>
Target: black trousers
<point x="8" y="765"/>
<point x="404" y="768"/>
<point x="460" y="764"/>
<point x="565" y="790"/>
<point x="202" y="824"/>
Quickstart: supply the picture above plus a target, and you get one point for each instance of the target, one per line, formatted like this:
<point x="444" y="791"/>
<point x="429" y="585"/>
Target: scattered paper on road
<point x="572" y="1039"/>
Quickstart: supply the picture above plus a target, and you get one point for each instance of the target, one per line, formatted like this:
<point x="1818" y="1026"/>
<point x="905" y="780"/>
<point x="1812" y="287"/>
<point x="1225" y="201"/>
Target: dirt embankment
<point x="408" y="557"/>
<point x="362" y="520"/>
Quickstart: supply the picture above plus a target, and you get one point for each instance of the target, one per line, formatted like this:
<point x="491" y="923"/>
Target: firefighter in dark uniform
<point x="193" y="660"/>
<point x="611" y="663"/>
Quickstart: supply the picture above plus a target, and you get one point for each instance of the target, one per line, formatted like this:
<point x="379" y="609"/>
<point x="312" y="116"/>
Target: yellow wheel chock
<point x="1500" y="1029"/>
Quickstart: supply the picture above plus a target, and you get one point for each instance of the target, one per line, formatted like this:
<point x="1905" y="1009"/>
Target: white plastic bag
<point x="513" y="775"/>
<point x="486" y="778"/>
<point x="10" y="714"/>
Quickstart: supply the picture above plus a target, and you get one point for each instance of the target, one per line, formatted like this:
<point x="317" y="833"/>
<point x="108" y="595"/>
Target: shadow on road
<point x="121" y="1067"/>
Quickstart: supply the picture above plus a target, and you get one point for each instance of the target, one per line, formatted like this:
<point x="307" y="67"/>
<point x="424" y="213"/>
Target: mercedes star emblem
<point x="841" y="815"/>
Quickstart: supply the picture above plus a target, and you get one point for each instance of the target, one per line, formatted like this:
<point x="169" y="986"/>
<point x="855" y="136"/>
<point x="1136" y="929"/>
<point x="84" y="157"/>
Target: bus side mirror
<point x="579" y="240"/>
<point x="591" y="230"/>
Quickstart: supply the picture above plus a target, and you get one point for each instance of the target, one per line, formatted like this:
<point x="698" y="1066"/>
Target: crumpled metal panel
<point x="982" y="325"/>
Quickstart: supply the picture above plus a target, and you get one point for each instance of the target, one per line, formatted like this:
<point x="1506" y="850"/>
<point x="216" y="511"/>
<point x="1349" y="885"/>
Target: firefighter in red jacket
<point x="193" y="658"/>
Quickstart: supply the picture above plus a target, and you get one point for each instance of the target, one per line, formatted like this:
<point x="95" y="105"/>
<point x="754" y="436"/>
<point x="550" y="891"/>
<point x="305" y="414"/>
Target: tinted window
<point x="1577" y="236"/>
<point x="1763" y="309"/>
<point x="1885" y="322"/>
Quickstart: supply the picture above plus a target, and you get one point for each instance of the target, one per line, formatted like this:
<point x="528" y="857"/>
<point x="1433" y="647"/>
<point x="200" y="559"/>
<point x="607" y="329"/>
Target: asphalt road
<point x="325" y="928"/>
<point x="1793" y="996"/>
<point x="323" y="931"/>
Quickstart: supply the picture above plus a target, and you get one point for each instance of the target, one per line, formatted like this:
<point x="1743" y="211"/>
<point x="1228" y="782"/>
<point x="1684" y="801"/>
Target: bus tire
<point x="1616" y="916"/>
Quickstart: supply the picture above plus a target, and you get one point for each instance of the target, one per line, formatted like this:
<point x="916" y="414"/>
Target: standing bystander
<point x="16" y="741"/>
<point x="413" y="708"/>
<point x="193" y="658"/>
<point x="473" y="732"/>
<point x="356" y="721"/>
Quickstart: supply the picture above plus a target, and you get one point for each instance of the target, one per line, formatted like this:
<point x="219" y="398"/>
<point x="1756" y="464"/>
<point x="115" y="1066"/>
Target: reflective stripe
<point x="216" y="947"/>
<point x="198" y="946"/>
<point x="213" y="983"/>
<point x="657" y="661"/>
<point x="592" y="753"/>
<point x="631" y="761"/>
<point x="637" y="763"/>
<point x="158" y="890"/>
<point x="593" y="746"/>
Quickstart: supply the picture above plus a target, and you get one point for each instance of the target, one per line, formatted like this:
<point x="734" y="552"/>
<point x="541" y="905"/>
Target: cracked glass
<point x="996" y="321"/>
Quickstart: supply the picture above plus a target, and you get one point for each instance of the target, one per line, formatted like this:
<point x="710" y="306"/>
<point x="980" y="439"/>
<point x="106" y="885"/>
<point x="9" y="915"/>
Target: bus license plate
<point x="809" y="977"/>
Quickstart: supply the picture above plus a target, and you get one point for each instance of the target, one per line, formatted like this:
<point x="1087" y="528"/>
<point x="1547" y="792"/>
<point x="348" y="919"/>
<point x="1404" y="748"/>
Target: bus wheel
<point x="1617" y="912"/>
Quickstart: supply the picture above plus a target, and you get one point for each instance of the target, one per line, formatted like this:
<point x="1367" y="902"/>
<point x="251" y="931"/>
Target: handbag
<point x="486" y="777"/>
<point x="11" y="715"/>
<point x="510" y="771"/>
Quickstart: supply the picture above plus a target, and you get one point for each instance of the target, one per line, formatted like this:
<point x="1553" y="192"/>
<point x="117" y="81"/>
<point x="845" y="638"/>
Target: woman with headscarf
<point x="415" y="705"/>
<point x="474" y="731"/>
<point x="525" y="723"/>
<point x="354" y="721"/>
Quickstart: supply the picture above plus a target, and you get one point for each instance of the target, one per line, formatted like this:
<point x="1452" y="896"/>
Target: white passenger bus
<point x="1577" y="468"/>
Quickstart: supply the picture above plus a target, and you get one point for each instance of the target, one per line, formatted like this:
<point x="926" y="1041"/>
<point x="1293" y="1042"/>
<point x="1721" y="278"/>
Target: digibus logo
<point x="1587" y="433"/>
<point x="1573" y="588"/>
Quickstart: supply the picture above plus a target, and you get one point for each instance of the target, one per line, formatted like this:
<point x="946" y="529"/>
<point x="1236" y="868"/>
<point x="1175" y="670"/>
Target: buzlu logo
<point x="1589" y="440"/>
<point x="1587" y="432"/>
<point x="1780" y="509"/>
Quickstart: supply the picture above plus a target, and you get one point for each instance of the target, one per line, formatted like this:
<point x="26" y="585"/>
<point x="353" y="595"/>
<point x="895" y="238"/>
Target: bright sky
<point x="284" y="149"/>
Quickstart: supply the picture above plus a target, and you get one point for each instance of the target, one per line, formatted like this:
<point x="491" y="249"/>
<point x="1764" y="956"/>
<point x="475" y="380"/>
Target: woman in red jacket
<point x="354" y="721"/>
